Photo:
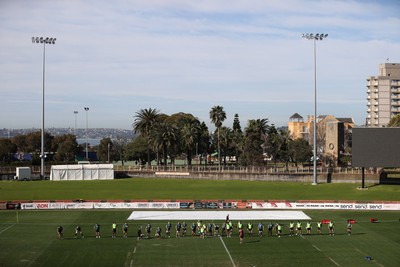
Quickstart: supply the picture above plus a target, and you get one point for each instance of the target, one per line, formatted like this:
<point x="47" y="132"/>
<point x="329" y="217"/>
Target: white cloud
<point x="120" y="56"/>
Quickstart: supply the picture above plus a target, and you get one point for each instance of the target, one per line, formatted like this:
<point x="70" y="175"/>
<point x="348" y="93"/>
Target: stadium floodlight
<point x="41" y="40"/>
<point x="76" y="115"/>
<point x="315" y="38"/>
<point x="87" y="151"/>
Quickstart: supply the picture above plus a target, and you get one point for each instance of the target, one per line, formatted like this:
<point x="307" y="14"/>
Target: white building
<point x="383" y="95"/>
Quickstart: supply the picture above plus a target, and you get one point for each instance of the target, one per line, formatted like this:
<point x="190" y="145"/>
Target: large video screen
<point x="376" y="147"/>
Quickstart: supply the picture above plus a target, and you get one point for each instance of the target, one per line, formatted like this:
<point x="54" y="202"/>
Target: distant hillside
<point x="93" y="133"/>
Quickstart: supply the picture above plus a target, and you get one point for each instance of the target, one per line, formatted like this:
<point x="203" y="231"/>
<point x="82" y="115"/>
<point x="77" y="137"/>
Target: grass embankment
<point x="191" y="189"/>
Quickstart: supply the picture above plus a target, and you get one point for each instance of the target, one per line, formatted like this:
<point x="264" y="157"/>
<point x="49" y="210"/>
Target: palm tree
<point x="217" y="116"/>
<point x="190" y="134"/>
<point x="164" y="136"/>
<point x="144" y="121"/>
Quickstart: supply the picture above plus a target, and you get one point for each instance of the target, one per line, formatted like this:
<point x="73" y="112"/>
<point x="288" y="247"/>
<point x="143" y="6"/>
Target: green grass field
<point x="191" y="189"/>
<point x="28" y="238"/>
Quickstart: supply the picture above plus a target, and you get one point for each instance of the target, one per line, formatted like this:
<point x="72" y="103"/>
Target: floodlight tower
<point x="315" y="38"/>
<point x="43" y="41"/>
<point x="87" y="152"/>
<point x="76" y="114"/>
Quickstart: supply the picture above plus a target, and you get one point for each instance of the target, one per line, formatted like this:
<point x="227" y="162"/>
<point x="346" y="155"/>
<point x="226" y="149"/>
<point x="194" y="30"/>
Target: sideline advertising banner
<point x="279" y="205"/>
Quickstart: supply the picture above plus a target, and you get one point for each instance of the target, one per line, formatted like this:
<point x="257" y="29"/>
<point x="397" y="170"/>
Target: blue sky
<point x="117" y="57"/>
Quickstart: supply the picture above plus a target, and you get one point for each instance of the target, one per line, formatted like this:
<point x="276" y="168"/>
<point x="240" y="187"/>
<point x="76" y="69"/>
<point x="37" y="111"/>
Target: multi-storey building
<point x="332" y="133"/>
<point x="383" y="95"/>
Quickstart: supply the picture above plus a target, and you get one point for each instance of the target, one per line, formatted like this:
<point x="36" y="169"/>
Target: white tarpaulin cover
<point x="82" y="172"/>
<point x="218" y="215"/>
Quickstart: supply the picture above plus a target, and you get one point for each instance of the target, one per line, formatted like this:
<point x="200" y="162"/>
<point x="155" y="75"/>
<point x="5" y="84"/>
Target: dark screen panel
<point x="376" y="147"/>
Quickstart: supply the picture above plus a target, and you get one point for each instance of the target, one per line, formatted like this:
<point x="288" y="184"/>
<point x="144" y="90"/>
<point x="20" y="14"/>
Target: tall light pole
<point x="76" y="114"/>
<point x="315" y="38"/>
<point x="44" y="41"/>
<point x="108" y="153"/>
<point x="87" y="152"/>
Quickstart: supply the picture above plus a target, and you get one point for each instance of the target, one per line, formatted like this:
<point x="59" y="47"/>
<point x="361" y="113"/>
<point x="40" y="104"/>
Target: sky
<point x="248" y="56"/>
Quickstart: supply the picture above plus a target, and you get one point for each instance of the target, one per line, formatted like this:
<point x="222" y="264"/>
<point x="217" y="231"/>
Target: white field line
<point x="127" y="258"/>
<point x="227" y="251"/>
<point x="317" y="248"/>
<point x="377" y="263"/>
<point x="7" y="228"/>
<point x="337" y="264"/>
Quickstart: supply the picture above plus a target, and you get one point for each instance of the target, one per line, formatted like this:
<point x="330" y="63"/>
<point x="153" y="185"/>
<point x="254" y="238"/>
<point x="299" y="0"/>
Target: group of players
<point x="97" y="228"/>
<point x="211" y="229"/>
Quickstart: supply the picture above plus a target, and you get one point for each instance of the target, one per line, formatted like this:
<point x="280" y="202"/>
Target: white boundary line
<point x="317" y="248"/>
<point x="227" y="251"/>
<point x="7" y="228"/>
<point x="337" y="264"/>
<point x="377" y="263"/>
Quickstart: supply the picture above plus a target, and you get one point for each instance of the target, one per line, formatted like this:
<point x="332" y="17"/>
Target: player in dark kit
<point x="260" y="229"/>
<point x="125" y="230"/>
<point x="178" y="227"/>
<point x="97" y="230"/>
<point x="270" y="227"/>
<point x="148" y="230"/>
<point x="349" y="228"/>
<point x="158" y="232"/>
<point x="78" y="231"/>
<point x="60" y="232"/>
<point x="184" y="226"/>
<point x="139" y="233"/>
<point x="168" y="230"/>
<point x="194" y="227"/>
<point x="241" y="235"/>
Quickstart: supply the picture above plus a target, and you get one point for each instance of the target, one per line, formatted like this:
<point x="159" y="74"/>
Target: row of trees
<point x="168" y="137"/>
<point x="165" y="138"/>
<point x="60" y="148"/>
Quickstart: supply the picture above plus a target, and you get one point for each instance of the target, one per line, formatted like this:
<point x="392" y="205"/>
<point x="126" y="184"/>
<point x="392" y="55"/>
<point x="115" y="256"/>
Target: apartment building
<point x="383" y="95"/>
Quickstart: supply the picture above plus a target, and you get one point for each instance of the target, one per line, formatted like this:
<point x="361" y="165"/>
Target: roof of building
<point x="296" y="116"/>
<point x="345" y="120"/>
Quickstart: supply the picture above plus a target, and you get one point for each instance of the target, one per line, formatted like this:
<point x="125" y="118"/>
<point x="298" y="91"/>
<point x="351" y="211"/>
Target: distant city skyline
<point x="248" y="56"/>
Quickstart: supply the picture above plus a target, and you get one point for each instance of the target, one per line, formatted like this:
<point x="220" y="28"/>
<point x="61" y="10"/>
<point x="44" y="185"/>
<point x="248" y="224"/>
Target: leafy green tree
<point x="164" y="136"/>
<point x="143" y="124"/>
<point x="237" y="137"/>
<point x="226" y="141"/>
<point x="137" y="150"/>
<point x="180" y="145"/>
<point x="33" y="141"/>
<point x="273" y="143"/>
<point x="394" y="121"/>
<point x="106" y="150"/>
<point x="217" y="116"/>
<point x="284" y="148"/>
<point x="65" y="146"/>
<point x="21" y="143"/>
<point x="300" y="150"/>
<point x="190" y="133"/>
<point x="7" y="149"/>
<point x="236" y="124"/>
<point x="254" y="138"/>
<point x="203" y="142"/>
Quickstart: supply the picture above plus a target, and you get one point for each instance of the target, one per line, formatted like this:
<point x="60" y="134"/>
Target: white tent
<point x="82" y="172"/>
